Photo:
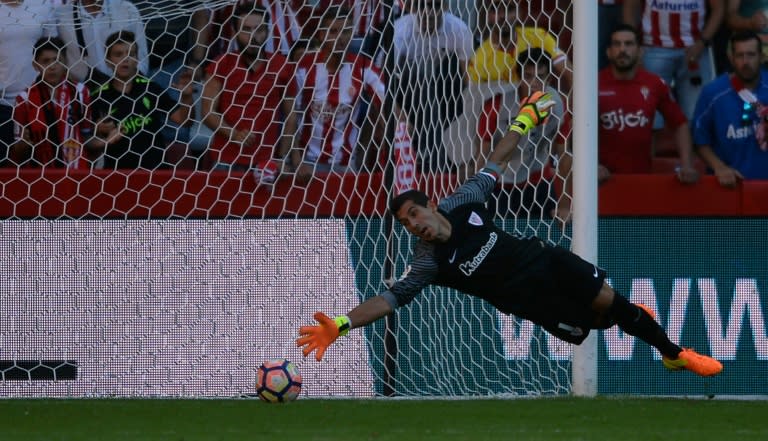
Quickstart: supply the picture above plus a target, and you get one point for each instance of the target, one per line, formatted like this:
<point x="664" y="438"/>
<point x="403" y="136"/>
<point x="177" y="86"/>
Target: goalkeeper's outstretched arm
<point x="534" y="110"/>
<point x="318" y="337"/>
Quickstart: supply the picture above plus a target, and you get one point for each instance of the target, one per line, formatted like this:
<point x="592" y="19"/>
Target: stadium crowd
<point x="297" y="88"/>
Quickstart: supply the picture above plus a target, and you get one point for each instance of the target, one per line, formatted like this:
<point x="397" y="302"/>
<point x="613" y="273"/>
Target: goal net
<point x="166" y="231"/>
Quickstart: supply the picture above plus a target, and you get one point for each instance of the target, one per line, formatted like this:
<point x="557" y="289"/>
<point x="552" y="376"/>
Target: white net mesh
<point x="162" y="237"/>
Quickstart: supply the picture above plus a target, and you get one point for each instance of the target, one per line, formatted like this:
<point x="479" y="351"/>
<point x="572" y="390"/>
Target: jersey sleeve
<point x="214" y="70"/>
<point x="288" y="78"/>
<point x="703" y="124"/>
<point x="417" y="276"/>
<point x="465" y="46"/>
<point x="21" y="116"/>
<point x="373" y="80"/>
<point x="669" y="108"/>
<point x="476" y="190"/>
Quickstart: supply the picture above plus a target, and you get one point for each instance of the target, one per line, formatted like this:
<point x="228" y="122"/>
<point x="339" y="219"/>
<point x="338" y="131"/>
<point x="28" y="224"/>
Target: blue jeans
<point x="672" y="66"/>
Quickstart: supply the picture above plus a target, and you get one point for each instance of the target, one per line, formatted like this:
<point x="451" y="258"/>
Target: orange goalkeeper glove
<point x="318" y="338"/>
<point x="533" y="111"/>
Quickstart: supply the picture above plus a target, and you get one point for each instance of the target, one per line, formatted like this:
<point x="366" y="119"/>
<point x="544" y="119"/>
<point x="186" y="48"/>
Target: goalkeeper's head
<point x="415" y="196"/>
<point x="419" y="215"/>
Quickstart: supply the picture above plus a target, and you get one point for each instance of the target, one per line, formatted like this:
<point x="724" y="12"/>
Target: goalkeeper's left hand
<point x="318" y="338"/>
<point x="534" y="110"/>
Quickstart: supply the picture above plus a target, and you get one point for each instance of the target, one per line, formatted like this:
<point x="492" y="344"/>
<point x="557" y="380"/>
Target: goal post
<point x="585" y="169"/>
<point x="181" y="280"/>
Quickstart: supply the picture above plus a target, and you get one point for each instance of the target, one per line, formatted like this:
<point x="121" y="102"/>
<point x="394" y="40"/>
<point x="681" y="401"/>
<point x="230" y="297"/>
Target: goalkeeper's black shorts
<point x="559" y="297"/>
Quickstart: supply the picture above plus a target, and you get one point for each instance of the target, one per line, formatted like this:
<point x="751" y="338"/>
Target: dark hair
<point x="48" y="44"/>
<point x="247" y="8"/>
<point x="300" y="44"/>
<point x="333" y="13"/>
<point x="623" y="27"/>
<point x="741" y="36"/>
<point x="533" y="57"/>
<point x="416" y="196"/>
<point x="120" y="37"/>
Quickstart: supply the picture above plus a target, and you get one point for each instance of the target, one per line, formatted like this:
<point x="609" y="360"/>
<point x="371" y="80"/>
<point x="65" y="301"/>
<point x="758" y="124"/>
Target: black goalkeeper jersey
<point x="479" y="259"/>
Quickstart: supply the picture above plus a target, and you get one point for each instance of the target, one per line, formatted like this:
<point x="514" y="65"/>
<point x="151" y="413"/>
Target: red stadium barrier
<point x="33" y="193"/>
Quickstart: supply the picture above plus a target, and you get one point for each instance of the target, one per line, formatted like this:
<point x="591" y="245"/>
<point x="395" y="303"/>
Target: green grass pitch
<point x="572" y="419"/>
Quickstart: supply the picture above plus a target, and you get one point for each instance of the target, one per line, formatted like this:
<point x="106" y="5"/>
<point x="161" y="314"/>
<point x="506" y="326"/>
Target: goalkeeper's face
<point x="424" y="222"/>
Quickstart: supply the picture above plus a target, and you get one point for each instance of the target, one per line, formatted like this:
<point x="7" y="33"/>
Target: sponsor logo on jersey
<point x="475" y="219"/>
<point x="738" y="132"/>
<point x="674" y="6"/>
<point x="618" y="120"/>
<point x="645" y="93"/>
<point x="470" y="266"/>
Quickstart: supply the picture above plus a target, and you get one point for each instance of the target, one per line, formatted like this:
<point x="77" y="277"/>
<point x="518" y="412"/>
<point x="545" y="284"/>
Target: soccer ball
<point x="278" y="381"/>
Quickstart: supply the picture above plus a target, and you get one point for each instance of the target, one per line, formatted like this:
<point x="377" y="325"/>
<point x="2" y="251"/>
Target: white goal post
<point x="179" y="278"/>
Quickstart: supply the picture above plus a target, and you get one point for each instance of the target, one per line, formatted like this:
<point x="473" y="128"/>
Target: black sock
<point x="636" y="322"/>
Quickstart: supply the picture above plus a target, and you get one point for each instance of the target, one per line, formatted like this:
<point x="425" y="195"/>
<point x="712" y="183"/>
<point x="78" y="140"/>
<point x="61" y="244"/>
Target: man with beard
<point x="245" y="94"/>
<point x="628" y="98"/>
<point x="731" y="117"/>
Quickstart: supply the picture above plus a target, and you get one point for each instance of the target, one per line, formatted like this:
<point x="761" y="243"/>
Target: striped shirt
<point x="673" y="23"/>
<point x="331" y="101"/>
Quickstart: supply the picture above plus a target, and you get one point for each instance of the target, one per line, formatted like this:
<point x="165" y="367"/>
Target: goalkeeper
<point x="461" y="248"/>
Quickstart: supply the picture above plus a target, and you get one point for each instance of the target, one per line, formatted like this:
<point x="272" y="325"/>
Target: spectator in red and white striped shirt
<point x="677" y="35"/>
<point x="330" y="81"/>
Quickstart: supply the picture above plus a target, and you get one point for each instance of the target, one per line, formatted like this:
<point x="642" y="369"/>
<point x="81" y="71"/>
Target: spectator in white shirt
<point x="97" y="20"/>
<point x="432" y="48"/>
<point x="22" y="23"/>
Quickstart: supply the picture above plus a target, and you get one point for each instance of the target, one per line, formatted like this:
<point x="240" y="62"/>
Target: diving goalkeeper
<point x="460" y="247"/>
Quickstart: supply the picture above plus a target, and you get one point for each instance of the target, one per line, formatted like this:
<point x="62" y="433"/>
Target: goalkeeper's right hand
<point x="318" y="338"/>
<point x="533" y="111"/>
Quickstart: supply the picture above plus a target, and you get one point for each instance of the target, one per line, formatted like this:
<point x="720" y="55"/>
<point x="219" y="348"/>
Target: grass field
<point x="569" y="419"/>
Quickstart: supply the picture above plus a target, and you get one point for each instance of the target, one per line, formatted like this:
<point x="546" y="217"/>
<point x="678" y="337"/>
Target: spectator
<point x="731" y="120"/>
<point x="369" y="18"/>
<point x="131" y="111"/>
<point x="330" y="82"/>
<point x="84" y="26"/>
<point x="529" y="170"/>
<point x="496" y="58"/>
<point x="247" y="93"/>
<point x="432" y="48"/>
<point x="677" y="44"/>
<point x="609" y="14"/>
<point x="51" y="118"/>
<point x="749" y="15"/>
<point x="218" y="31"/>
<point x="21" y="25"/>
<point x="628" y="97"/>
